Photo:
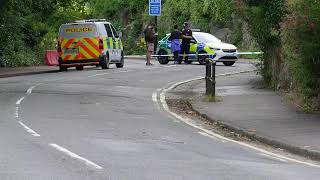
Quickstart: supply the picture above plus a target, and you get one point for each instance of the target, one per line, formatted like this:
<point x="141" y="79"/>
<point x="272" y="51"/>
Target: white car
<point x="202" y="43"/>
<point x="225" y="53"/>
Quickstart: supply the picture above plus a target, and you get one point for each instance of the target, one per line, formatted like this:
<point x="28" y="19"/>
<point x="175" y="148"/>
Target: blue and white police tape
<point x="238" y="53"/>
<point x="250" y="53"/>
<point x="171" y="55"/>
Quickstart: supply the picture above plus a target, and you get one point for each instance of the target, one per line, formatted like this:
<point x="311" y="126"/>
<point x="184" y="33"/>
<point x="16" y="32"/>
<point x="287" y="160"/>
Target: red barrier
<point x="51" y="58"/>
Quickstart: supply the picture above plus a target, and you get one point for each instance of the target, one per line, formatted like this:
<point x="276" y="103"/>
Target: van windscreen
<point x="76" y="31"/>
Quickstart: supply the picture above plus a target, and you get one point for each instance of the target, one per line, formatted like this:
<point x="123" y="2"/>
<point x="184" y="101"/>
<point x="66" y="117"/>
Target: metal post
<point x="213" y="78"/>
<point x="156" y="36"/>
<point x="210" y="78"/>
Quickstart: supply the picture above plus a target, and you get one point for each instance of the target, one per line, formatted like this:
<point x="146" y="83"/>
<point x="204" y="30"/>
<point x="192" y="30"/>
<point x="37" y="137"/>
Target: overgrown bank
<point x="288" y="32"/>
<point x="29" y="27"/>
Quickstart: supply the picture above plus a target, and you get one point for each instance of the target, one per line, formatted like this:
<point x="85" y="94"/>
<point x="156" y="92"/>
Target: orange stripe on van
<point x="82" y="56"/>
<point x="68" y="43"/>
<point x="67" y="57"/>
<point x="89" y="52"/>
<point x="95" y="46"/>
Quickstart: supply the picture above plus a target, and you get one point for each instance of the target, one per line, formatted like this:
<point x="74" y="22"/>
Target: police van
<point x="89" y="42"/>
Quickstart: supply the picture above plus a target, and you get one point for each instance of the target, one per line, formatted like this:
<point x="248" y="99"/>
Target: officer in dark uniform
<point x="186" y="39"/>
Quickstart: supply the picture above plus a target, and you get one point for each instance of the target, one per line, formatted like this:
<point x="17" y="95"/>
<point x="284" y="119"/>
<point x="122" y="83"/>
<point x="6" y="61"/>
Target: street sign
<point x="154" y="7"/>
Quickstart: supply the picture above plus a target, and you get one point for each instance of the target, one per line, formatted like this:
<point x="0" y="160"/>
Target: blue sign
<point x="154" y="7"/>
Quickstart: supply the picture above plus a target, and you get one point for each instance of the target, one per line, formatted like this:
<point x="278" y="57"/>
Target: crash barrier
<point x="210" y="78"/>
<point x="51" y="58"/>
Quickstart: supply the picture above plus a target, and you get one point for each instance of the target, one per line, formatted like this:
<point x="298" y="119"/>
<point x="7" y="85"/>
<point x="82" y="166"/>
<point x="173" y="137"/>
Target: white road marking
<point x="20" y="100"/>
<point x="189" y="122"/>
<point x="75" y="156"/>
<point x="102" y="74"/>
<point x="272" y="157"/>
<point x="16" y="114"/>
<point x="29" y="130"/>
<point x="148" y="68"/>
<point x="207" y="135"/>
<point x="29" y="91"/>
<point x="154" y="97"/>
<point x="98" y="75"/>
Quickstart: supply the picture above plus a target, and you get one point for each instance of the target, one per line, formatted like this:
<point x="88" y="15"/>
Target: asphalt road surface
<point x="104" y="124"/>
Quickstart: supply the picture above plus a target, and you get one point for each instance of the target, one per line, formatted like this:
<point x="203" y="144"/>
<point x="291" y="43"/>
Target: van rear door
<point x="114" y="43"/>
<point x="79" y="42"/>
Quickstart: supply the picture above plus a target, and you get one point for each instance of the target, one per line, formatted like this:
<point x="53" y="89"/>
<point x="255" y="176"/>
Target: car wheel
<point x="121" y="64"/>
<point x="188" y="62"/>
<point x="161" y="59"/>
<point x="202" y="58"/>
<point x="228" y="63"/>
<point x="79" y="68"/>
<point x="105" y="62"/>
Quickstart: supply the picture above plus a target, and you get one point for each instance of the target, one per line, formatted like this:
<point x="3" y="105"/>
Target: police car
<point x="89" y="42"/>
<point x="203" y="46"/>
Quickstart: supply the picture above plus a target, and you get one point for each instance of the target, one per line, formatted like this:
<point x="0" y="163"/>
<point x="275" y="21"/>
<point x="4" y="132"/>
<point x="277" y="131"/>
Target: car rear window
<point x="76" y="31"/>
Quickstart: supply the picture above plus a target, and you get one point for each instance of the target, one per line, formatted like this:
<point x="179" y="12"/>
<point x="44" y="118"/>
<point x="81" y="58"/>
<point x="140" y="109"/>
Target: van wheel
<point x="79" y="68"/>
<point x="62" y="68"/>
<point x="121" y="64"/>
<point x="105" y="62"/>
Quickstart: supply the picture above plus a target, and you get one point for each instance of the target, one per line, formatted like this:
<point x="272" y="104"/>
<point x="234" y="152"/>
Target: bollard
<point x="213" y="78"/>
<point x="210" y="78"/>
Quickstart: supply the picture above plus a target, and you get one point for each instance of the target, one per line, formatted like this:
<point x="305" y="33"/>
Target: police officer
<point x="186" y="39"/>
<point x="175" y="38"/>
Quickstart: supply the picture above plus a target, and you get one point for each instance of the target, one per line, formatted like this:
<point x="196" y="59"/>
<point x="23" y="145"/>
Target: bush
<point x="302" y="52"/>
<point x="289" y="34"/>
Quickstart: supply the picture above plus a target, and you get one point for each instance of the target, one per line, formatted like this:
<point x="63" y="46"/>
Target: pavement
<point x="109" y="124"/>
<point x="258" y="113"/>
<point x="21" y="71"/>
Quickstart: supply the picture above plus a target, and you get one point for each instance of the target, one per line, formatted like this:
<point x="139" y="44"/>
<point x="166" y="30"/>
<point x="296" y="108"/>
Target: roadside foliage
<point x="28" y="28"/>
<point x="288" y="31"/>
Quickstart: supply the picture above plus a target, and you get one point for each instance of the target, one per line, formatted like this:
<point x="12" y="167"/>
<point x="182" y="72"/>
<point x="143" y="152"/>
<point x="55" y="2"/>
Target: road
<point x="105" y="124"/>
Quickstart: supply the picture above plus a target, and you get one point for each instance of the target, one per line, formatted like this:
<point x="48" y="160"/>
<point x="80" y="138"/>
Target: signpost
<point x="155" y="10"/>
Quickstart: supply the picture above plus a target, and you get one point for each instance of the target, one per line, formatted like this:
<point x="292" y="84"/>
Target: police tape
<point x="171" y="55"/>
<point x="238" y="53"/>
<point x="250" y="53"/>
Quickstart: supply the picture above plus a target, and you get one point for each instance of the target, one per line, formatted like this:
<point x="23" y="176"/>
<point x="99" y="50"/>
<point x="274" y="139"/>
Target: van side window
<point x="109" y="32"/>
<point x="114" y="32"/>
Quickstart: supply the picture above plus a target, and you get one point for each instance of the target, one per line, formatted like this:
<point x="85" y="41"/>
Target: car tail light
<point x="101" y="44"/>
